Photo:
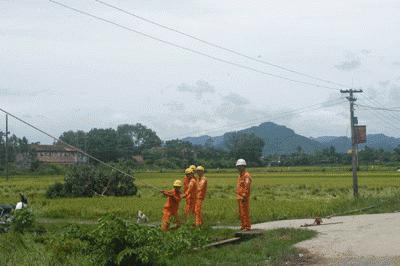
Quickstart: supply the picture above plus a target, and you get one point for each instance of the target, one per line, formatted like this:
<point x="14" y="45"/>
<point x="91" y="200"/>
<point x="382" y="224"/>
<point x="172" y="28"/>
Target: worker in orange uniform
<point x="243" y="194"/>
<point x="188" y="173"/>
<point x="191" y="194"/>
<point x="171" y="207"/>
<point x="201" y="194"/>
<point x="186" y="178"/>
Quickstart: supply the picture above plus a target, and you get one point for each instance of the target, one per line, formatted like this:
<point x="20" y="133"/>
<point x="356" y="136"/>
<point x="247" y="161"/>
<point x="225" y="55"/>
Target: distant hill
<point x="282" y="140"/>
<point x="375" y="141"/>
<point x="278" y="139"/>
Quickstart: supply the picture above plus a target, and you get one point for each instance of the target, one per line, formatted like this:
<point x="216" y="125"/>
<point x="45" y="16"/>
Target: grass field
<point x="278" y="193"/>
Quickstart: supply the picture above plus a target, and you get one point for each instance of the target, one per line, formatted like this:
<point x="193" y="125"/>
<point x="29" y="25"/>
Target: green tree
<point x="76" y="138"/>
<point x="104" y="144"/>
<point x="243" y="145"/>
<point x="140" y="137"/>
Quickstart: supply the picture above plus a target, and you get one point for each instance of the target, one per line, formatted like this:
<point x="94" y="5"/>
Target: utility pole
<point x="353" y="122"/>
<point x="6" y="150"/>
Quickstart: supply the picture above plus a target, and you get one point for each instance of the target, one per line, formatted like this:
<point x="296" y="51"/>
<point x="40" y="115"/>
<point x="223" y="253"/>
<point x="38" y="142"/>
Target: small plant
<point x="23" y="221"/>
<point x="56" y="190"/>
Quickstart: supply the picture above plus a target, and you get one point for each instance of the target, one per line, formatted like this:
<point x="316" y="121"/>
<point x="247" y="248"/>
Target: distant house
<point x="138" y="159"/>
<point x="57" y="154"/>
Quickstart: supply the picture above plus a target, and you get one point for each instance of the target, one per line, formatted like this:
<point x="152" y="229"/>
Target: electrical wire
<point x="367" y="107"/>
<point x="76" y="148"/>
<point x="300" y="110"/>
<point x="383" y="116"/>
<point x="189" y="49"/>
<point x="218" y="46"/>
<point x="389" y="115"/>
<point x="374" y="101"/>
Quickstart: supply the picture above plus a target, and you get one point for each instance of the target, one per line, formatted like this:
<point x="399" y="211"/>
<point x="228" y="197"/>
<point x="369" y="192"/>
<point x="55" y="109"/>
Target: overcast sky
<point x="61" y="70"/>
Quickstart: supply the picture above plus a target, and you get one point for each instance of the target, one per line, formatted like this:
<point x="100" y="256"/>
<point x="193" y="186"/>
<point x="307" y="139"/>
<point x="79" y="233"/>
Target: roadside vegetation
<point x="274" y="247"/>
<point x="126" y="244"/>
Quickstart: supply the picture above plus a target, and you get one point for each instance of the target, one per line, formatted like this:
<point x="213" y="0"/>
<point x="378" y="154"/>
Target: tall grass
<point x="275" y="195"/>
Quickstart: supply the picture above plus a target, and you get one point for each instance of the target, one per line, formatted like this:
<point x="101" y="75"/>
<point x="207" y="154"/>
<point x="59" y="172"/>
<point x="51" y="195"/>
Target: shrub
<point x="55" y="190"/>
<point x="88" y="181"/>
<point x="119" y="242"/>
<point x="23" y="221"/>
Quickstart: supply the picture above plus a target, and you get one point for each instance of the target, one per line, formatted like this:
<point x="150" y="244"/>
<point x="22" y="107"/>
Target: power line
<point x="383" y="116"/>
<point x="300" y="110"/>
<point x="375" y="102"/>
<point x="367" y="107"/>
<point x="190" y="49"/>
<point x="217" y="45"/>
<point x="73" y="147"/>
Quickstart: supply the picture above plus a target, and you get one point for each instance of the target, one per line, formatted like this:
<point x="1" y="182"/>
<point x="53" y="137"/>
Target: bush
<point x="56" y="190"/>
<point x="48" y="169"/>
<point x="23" y="221"/>
<point x="88" y="181"/>
<point x="119" y="242"/>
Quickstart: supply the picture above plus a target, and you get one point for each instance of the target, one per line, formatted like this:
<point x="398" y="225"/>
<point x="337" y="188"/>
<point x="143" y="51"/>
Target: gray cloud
<point x="353" y="60"/>
<point x="394" y="94"/>
<point x="366" y="51"/>
<point x="199" y="88"/>
<point x="396" y="63"/>
<point x="22" y="93"/>
<point x="235" y="98"/>
<point x="175" y="106"/>
<point x="384" y="83"/>
<point x="349" y="64"/>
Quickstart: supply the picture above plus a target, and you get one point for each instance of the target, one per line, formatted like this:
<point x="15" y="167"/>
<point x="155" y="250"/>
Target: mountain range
<point x="282" y="140"/>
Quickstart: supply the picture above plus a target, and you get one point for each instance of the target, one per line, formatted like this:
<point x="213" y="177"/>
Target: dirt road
<point x="372" y="239"/>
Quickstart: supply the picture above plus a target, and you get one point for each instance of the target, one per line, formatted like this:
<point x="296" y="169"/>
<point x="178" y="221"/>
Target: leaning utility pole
<point x="353" y="122"/>
<point x="6" y="148"/>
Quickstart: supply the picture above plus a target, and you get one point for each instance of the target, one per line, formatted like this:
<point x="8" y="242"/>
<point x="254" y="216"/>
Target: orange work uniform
<point x="186" y="181"/>
<point x="171" y="208"/>
<point x="191" y="194"/>
<point x="201" y="194"/>
<point x="243" y="197"/>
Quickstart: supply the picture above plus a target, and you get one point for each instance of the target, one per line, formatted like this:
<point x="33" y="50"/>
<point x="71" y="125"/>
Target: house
<point x="57" y="154"/>
<point x="138" y="159"/>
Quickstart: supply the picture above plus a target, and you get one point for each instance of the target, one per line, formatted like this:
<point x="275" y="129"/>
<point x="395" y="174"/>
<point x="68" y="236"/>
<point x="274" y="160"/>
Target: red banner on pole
<point x="361" y="134"/>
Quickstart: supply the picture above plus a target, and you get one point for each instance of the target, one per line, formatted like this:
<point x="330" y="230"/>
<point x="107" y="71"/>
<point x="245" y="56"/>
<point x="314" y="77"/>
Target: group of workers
<point x="194" y="191"/>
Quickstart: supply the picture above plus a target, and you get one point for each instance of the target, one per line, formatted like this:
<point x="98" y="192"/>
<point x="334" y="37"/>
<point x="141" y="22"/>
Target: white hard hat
<point x="241" y="162"/>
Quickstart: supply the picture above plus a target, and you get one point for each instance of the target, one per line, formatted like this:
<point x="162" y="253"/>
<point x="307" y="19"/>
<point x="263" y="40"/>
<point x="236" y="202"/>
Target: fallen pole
<point x="239" y="236"/>
<point x="222" y="242"/>
<point x="314" y="224"/>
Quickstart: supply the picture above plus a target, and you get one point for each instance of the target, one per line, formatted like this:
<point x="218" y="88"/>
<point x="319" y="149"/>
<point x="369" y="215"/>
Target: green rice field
<point x="277" y="193"/>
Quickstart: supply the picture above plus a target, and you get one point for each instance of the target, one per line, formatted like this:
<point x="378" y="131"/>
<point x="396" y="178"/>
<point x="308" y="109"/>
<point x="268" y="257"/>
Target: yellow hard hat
<point x="189" y="171"/>
<point x="193" y="167"/>
<point x="200" y="168"/>
<point x="177" y="183"/>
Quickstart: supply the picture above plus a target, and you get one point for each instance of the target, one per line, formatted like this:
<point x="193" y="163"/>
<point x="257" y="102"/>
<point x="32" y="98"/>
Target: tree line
<point x="142" y="147"/>
<point x="137" y="140"/>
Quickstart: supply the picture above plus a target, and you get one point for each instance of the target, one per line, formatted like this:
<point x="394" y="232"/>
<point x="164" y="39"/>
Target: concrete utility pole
<point x="354" y="153"/>
<point x="6" y="150"/>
